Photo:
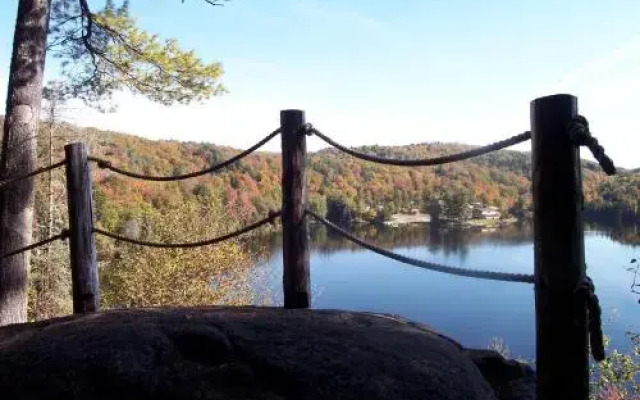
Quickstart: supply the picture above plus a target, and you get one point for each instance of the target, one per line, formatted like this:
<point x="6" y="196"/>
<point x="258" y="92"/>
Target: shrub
<point x="137" y="276"/>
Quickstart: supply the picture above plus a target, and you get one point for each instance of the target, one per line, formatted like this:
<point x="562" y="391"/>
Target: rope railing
<point x="7" y="182"/>
<point x="269" y="219"/>
<point x="471" y="273"/>
<point x="105" y="164"/>
<point x="60" y="236"/>
<point x="523" y="137"/>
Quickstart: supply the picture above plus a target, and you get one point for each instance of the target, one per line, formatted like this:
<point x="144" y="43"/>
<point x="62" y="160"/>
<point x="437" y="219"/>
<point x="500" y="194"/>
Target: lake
<point x="472" y="311"/>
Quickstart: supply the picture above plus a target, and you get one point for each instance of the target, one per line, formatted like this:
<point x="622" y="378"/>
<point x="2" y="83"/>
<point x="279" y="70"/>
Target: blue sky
<point x="389" y="72"/>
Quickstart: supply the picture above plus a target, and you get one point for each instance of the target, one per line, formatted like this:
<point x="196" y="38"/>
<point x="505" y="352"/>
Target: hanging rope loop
<point x="5" y="183"/>
<point x="581" y="136"/>
<point x="106" y="164"/>
<point x="268" y="220"/>
<point x="470" y="273"/>
<point x="596" y="339"/>
<point x="63" y="235"/>
<point x="422" y="162"/>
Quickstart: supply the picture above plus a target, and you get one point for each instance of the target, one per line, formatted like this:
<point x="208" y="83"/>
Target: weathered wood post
<point x="84" y="270"/>
<point x="295" y="232"/>
<point x="561" y="317"/>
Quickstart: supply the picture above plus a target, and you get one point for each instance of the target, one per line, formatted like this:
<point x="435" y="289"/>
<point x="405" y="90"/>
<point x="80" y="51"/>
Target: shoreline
<point x="489" y="224"/>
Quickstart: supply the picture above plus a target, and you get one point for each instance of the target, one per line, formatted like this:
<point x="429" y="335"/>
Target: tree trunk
<point x="19" y="153"/>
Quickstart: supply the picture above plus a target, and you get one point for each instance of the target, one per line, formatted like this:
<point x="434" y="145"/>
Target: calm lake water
<point x="471" y="311"/>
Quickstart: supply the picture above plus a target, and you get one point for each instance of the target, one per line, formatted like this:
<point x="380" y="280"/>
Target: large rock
<point x="236" y="353"/>
<point x="509" y="379"/>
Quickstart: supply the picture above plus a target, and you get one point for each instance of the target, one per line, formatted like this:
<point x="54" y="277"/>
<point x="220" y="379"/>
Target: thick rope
<point x="523" y="137"/>
<point x="107" y="164"/>
<point x="270" y="219"/>
<point x="596" y="341"/>
<point x="581" y="136"/>
<point x="60" y="236"/>
<point x="495" y="276"/>
<point x="38" y="171"/>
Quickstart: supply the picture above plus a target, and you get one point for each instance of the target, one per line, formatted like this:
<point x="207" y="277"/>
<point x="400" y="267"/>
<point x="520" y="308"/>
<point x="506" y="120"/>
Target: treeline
<point x="617" y="199"/>
<point x="252" y="186"/>
<point x="338" y="183"/>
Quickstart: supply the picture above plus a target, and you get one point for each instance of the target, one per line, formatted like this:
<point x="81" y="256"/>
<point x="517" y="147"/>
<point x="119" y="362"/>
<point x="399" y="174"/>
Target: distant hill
<point x="252" y="186"/>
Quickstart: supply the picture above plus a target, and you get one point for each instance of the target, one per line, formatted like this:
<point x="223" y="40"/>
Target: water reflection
<point x="448" y="241"/>
<point x="346" y="276"/>
<point x="444" y="240"/>
<point x="624" y="234"/>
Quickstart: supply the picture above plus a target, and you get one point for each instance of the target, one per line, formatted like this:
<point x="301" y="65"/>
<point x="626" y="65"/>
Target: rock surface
<point x="244" y="353"/>
<point x="509" y="379"/>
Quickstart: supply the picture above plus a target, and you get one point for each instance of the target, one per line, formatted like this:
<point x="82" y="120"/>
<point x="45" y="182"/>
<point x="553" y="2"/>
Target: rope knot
<point x="103" y="164"/>
<point x="596" y="341"/>
<point x="308" y="129"/>
<point x="580" y="135"/>
<point x="272" y="216"/>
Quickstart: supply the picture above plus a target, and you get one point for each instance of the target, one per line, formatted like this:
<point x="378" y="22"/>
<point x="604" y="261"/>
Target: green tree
<point x="384" y="213"/>
<point x="455" y="205"/>
<point x="617" y="377"/>
<point x="339" y="211"/>
<point x="49" y="277"/>
<point x="398" y="199"/>
<point x="105" y="51"/>
<point x="519" y="208"/>
<point x="434" y="209"/>
<point x="143" y="277"/>
<point x="318" y="204"/>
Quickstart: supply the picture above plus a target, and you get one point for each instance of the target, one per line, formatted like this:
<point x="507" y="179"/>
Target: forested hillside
<point x="217" y="203"/>
<point x="252" y="187"/>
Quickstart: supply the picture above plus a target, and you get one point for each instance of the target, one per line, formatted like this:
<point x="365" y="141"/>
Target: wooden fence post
<point x="562" y="361"/>
<point x="84" y="271"/>
<point x="295" y="232"/>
